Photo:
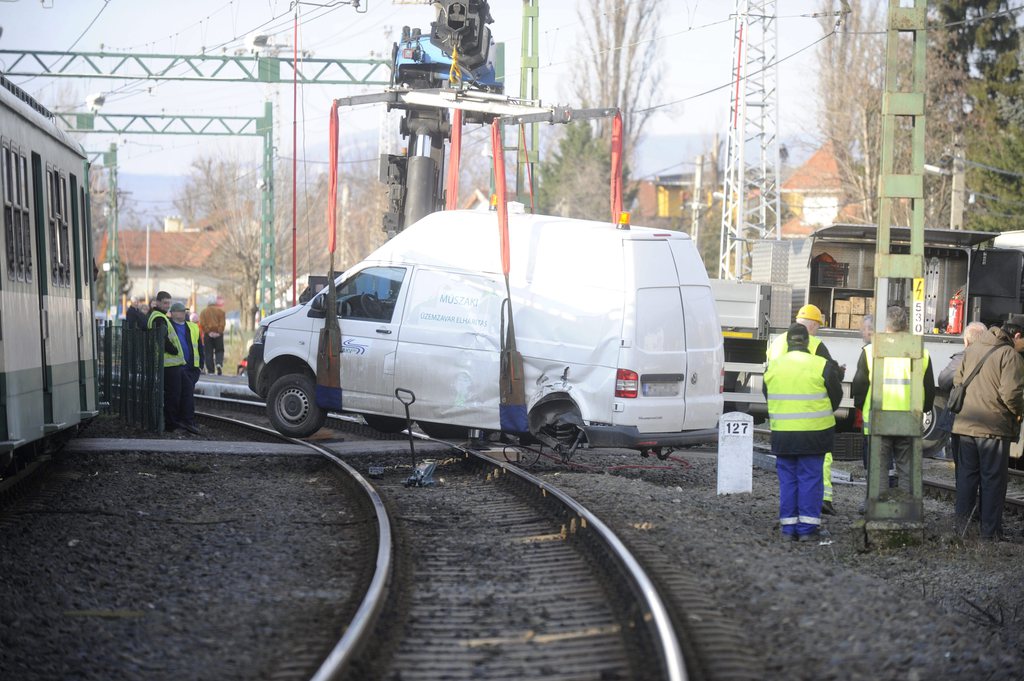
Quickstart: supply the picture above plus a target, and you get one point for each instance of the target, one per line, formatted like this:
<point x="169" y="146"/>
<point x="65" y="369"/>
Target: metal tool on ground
<point x="422" y="475"/>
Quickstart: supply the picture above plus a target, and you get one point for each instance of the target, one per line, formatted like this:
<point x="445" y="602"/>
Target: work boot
<point x="827" y="508"/>
<point x="220" y="369"/>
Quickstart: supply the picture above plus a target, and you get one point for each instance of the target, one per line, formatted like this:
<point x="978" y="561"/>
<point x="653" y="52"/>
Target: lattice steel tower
<point x="750" y="204"/>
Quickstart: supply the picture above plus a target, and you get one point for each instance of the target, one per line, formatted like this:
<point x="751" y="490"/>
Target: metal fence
<point x="131" y="366"/>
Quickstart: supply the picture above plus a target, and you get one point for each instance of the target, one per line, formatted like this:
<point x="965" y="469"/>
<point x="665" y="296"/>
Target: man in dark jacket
<point x="988" y="422"/>
<point x="895" y="394"/>
<point x="803" y="391"/>
<point x="135" y="317"/>
<point x="971" y="333"/>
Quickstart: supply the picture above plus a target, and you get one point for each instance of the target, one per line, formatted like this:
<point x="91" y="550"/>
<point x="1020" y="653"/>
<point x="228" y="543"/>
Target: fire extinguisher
<point x="956" y="312"/>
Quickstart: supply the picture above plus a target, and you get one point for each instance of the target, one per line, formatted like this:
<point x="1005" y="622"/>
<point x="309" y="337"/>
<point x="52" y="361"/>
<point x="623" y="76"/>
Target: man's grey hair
<point x="868" y="321"/>
<point x="973" y="332"/>
<point x="896" y="319"/>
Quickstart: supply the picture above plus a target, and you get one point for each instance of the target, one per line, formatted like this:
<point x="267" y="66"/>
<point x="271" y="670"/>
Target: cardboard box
<point x="857" y="305"/>
<point x="856" y="321"/>
<point x="842" y="321"/>
<point x="841" y="307"/>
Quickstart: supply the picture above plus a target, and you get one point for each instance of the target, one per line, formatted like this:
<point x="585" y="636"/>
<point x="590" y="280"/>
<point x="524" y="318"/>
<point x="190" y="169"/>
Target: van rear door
<point x="654" y="340"/>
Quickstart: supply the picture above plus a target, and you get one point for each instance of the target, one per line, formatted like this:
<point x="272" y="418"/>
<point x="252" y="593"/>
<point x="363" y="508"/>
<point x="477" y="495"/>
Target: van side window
<point x="371" y="294"/>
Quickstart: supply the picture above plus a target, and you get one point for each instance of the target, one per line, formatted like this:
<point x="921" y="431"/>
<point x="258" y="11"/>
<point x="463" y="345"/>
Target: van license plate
<point x="661" y="389"/>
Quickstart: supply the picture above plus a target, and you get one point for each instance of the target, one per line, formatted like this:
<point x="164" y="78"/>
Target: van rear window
<point x="659" y="320"/>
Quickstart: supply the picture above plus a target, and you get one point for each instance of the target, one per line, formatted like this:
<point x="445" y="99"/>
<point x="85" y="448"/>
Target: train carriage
<point x="47" y="345"/>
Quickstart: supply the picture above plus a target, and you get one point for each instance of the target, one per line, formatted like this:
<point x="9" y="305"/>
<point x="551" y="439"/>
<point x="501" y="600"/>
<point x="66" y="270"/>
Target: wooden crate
<point x="856" y="321"/>
<point x="857" y="305"/>
<point x="841" y="307"/>
<point x="842" y="321"/>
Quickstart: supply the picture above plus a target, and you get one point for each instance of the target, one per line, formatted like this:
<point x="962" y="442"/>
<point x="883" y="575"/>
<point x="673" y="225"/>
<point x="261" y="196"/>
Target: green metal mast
<point x="529" y="88"/>
<point x="894" y="517"/>
<point x="203" y="68"/>
<point x="168" y="124"/>
<point x="200" y="67"/>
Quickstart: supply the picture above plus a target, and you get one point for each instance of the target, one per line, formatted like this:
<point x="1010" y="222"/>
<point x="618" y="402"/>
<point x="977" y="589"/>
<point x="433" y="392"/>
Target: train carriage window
<point x="26" y="225"/>
<point x="64" y="233"/>
<point x="10" y="208"/>
<point x="15" y="245"/>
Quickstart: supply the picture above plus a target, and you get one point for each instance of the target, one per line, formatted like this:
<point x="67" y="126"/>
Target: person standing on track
<point x="803" y="391"/>
<point x="212" y="321"/>
<point x="810" y="317"/>
<point x="989" y="421"/>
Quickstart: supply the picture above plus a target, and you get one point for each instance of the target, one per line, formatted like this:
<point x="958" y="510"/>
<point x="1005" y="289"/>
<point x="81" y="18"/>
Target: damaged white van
<point x="616" y="325"/>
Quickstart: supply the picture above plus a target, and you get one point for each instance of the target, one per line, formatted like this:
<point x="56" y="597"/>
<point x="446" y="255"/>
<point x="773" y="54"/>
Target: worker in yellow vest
<point x="810" y="317"/>
<point x="192" y="351"/>
<point x="803" y="391"/>
<point x="173" y="359"/>
<point x="895" y="388"/>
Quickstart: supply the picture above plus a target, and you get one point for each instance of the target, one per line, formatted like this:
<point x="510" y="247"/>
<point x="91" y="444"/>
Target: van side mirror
<point x="318" y="304"/>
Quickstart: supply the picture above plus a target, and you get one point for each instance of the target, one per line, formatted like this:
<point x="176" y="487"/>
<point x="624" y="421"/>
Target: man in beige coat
<point x="989" y="421"/>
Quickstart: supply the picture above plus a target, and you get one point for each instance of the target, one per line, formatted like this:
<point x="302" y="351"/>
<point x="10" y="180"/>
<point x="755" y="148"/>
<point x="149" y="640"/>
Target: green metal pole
<point x="895" y="516"/>
<point x="529" y="88"/>
<point x="113" y="258"/>
<point x="267" y="232"/>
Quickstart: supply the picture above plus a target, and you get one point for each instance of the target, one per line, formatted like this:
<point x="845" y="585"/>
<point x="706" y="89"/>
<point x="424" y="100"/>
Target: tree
<point x="983" y="46"/>
<point x="851" y="80"/>
<point x="619" y="68"/>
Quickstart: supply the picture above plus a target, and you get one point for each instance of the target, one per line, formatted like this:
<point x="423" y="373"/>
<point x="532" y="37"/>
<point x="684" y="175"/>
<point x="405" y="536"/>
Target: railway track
<point x="499" y="575"/>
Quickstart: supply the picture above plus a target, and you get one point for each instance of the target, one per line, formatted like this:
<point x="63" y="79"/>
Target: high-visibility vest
<point x="797" y="395"/>
<point x="895" y="384"/>
<point x="193" y="332"/>
<point x="780" y="346"/>
<point x="169" y="359"/>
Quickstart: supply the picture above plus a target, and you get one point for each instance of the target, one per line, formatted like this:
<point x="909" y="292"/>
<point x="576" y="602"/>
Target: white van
<point x="617" y="327"/>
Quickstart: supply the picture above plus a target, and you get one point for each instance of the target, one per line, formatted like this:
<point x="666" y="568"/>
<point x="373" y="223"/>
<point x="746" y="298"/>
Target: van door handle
<point x="384" y="331"/>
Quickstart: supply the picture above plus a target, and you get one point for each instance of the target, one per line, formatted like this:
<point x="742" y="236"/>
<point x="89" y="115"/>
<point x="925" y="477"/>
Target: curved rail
<point x="657" y="618"/>
<point x="663" y="632"/>
<point x="361" y="627"/>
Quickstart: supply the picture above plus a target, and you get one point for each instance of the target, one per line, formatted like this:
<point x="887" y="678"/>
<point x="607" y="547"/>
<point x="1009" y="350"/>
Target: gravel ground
<point x="950" y="608"/>
<point x="157" y="566"/>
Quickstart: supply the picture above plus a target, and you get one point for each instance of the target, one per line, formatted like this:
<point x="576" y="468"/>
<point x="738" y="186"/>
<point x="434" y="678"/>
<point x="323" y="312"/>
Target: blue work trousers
<point x="801" y="490"/>
<point x="174" y="377"/>
<point x="981" y="476"/>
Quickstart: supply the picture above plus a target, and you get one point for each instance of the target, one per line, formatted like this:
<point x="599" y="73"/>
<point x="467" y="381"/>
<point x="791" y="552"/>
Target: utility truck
<point x="833" y="268"/>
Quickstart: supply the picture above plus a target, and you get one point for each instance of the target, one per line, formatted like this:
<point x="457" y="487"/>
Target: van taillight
<point x="626" y="383"/>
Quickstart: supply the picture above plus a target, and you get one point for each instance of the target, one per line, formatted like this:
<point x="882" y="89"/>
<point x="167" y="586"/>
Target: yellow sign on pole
<point x="919" y="307"/>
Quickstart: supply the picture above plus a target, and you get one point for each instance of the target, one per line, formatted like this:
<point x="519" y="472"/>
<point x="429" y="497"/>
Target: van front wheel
<point x="292" y="407"/>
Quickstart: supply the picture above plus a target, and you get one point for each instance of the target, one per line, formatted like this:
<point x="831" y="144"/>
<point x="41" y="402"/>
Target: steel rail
<point x="673" y="662"/>
<point x="359" y="630"/>
<point x="656" y="612"/>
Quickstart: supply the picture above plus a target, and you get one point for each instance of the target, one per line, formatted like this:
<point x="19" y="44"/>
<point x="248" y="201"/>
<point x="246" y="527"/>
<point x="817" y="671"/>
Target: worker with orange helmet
<point x="810" y="316"/>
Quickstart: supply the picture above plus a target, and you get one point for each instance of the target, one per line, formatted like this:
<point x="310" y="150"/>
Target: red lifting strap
<point x="616" y="167"/>
<point x="499" y="188"/>
<point x="332" y="182"/>
<point x="452" y="184"/>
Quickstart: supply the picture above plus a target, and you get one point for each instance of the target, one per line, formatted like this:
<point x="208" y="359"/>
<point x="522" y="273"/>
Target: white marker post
<point x="735" y="453"/>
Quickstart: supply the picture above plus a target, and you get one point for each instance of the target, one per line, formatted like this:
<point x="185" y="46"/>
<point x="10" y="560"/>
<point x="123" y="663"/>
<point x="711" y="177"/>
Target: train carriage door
<point x="83" y="335"/>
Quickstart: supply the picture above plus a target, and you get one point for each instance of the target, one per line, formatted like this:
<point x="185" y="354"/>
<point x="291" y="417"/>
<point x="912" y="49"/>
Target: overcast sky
<point x="695" y="39"/>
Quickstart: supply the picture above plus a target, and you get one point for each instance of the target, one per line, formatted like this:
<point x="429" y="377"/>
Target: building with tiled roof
<point x="813" y="193"/>
<point x="180" y="262"/>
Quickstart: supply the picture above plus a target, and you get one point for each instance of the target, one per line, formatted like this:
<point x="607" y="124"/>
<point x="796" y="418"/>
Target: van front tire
<point x="292" y="407"/>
